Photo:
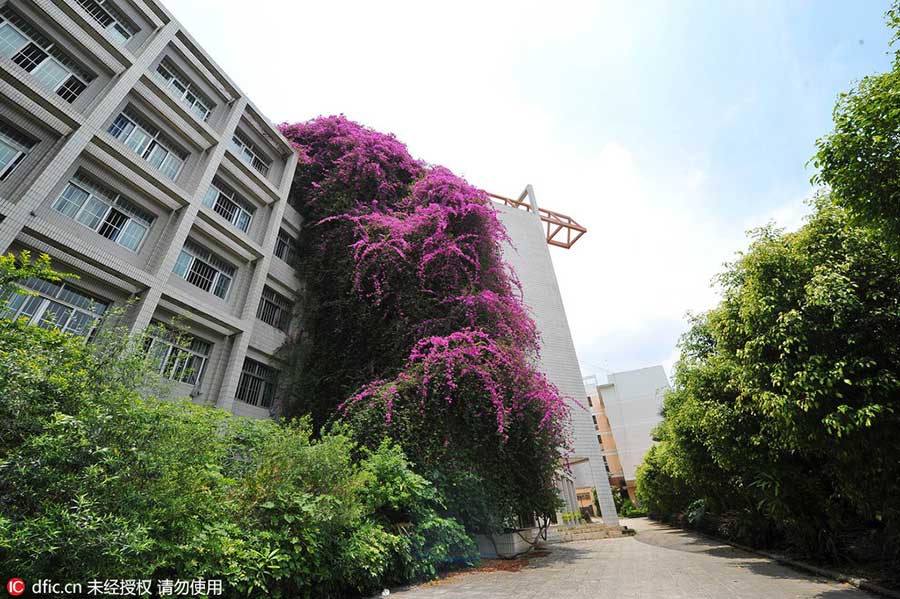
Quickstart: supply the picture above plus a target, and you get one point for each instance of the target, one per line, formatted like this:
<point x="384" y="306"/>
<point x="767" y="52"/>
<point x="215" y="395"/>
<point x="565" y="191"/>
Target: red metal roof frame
<point x="562" y="230"/>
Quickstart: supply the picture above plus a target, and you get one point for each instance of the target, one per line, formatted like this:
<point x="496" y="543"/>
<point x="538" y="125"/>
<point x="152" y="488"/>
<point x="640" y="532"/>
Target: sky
<point x="667" y="129"/>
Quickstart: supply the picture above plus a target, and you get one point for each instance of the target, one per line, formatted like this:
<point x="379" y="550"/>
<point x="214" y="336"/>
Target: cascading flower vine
<point x="414" y="325"/>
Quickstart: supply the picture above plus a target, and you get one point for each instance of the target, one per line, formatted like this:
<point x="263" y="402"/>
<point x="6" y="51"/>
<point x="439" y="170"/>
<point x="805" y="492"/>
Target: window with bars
<point x="286" y="247"/>
<point x="250" y="154"/>
<point x="224" y="201"/>
<point x="257" y="384"/>
<point x="110" y="18"/>
<point x="104" y="211"/>
<point x="180" y="87"/>
<point x="35" y="54"/>
<point x="274" y="309"/>
<point x="54" y="306"/>
<point x="148" y="143"/>
<point x="177" y="356"/>
<point x="13" y="148"/>
<point x="201" y="268"/>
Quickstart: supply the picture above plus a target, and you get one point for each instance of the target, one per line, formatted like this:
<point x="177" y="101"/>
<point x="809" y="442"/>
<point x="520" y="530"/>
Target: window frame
<point x="197" y="253"/>
<point x="274" y="309"/>
<point x="257" y="384"/>
<point x="180" y="86"/>
<point x="17" y="142"/>
<point x="113" y="202"/>
<point x="9" y="18"/>
<point x="248" y="153"/>
<point x="117" y="24"/>
<point x="148" y="145"/>
<point x="46" y="293"/>
<point x="182" y="350"/>
<point x="242" y="207"/>
<point x="286" y="247"/>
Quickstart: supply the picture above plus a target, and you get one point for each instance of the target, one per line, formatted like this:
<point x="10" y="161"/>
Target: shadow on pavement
<point x="677" y="539"/>
<point x="559" y="555"/>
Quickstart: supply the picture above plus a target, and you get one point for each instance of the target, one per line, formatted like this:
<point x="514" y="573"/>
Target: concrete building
<point x="625" y="410"/>
<point x="530" y="257"/>
<point x="135" y="162"/>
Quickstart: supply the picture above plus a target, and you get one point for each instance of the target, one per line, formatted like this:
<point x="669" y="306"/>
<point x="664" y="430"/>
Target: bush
<point x="97" y="482"/>
<point x="784" y="422"/>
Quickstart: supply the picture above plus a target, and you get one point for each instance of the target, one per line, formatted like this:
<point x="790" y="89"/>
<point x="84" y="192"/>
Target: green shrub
<point x="784" y="421"/>
<point x="98" y="482"/>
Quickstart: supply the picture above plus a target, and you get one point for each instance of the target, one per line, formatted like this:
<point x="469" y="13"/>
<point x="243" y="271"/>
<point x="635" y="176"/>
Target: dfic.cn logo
<point x="15" y="586"/>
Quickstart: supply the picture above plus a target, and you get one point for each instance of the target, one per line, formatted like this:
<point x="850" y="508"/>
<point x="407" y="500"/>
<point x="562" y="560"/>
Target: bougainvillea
<point x="414" y="326"/>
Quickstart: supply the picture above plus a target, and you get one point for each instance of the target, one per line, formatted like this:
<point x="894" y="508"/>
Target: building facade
<point x="131" y="159"/>
<point x="529" y="255"/>
<point x="625" y="410"/>
<point x="136" y="163"/>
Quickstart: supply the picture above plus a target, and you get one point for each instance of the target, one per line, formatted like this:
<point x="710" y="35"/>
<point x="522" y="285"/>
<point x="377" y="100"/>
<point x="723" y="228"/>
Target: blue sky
<point x="667" y="128"/>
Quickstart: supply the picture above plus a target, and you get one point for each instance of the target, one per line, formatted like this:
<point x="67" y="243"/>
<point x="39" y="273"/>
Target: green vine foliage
<point x="413" y="326"/>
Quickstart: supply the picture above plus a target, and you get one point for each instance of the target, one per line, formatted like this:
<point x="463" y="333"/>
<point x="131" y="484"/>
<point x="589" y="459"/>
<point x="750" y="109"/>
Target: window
<point x="286" y="247"/>
<point x="110" y="18"/>
<point x="21" y="43"/>
<point x="232" y="208"/>
<point x="179" y="86"/>
<point x="104" y="211"/>
<point x="177" y="356"/>
<point x="251" y="155"/>
<point x="56" y="306"/>
<point x="201" y="268"/>
<point x="274" y="309"/>
<point x="257" y="384"/>
<point x="148" y="143"/>
<point x="13" y="148"/>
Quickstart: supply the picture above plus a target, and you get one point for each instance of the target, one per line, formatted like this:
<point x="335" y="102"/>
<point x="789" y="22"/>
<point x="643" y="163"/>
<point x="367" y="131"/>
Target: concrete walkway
<point x="658" y="563"/>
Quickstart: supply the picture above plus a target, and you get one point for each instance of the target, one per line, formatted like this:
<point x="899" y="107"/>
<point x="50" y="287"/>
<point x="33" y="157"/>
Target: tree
<point x="785" y="416"/>
<point x="16" y="269"/>
<point x="860" y="159"/>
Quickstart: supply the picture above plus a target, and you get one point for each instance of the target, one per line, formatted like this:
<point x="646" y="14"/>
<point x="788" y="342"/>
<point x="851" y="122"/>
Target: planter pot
<point x="506" y="545"/>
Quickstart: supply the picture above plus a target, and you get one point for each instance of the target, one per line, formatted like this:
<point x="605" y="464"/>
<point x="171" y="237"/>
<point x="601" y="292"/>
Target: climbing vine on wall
<point x="413" y="325"/>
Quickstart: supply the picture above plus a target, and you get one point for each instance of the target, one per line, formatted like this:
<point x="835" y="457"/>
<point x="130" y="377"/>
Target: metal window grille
<point x="104" y="211"/>
<point x="285" y="247"/>
<point x="111" y="18"/>
<point x="13" y="148"/>
<point x="225" y="202"/>
<point x="148" y="143"/>
<point x="177" y="356"/>
<point x="55" y="72"/>
<point x="257" y="384"/>
<point x="247" y="152"/>
<point x="55" y="306"/>
<point x="181" y="88"/>
<point x="200" y="267"/>
<point x="274" y="309"/>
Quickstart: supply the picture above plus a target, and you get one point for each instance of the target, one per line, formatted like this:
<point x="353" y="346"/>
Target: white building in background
<point x="631" y="402"/>
<point x="530" y="258"/>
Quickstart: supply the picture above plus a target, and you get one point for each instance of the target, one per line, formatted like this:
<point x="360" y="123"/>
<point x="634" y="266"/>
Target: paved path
<point x="658" y="563"/>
